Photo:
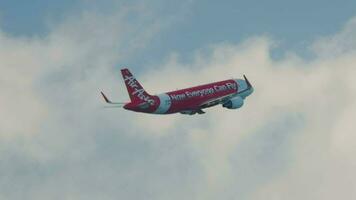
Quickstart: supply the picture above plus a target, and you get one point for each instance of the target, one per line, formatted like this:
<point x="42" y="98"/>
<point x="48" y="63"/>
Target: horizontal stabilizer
<point x="110" y="102"/>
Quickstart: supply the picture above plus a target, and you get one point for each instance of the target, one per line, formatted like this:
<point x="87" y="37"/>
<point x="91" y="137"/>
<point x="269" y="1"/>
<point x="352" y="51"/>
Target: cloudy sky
<point x="293" y="139"/>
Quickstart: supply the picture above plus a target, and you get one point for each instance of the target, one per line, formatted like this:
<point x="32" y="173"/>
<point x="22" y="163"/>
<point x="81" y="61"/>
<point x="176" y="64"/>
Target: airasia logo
<point x="137" y="90"/>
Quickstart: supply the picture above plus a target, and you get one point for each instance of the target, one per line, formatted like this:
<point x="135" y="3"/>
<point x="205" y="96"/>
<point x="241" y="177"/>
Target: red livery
<point x="230" y="93"/>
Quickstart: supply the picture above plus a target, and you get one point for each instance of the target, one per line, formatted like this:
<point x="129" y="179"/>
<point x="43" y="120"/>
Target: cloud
<point x="337" y="45"/>
<point x="292" y="139"/>
<point x="22" y="109"/>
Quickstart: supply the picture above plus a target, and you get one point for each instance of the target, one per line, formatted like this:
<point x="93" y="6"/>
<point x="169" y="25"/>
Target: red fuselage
<point x="230" y="93"/>
<point x="192" y="98"/>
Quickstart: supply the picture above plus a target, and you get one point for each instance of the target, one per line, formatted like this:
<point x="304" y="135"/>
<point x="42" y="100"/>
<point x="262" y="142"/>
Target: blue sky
<point x="294" y="24"/>
<point x="293" y="138"/>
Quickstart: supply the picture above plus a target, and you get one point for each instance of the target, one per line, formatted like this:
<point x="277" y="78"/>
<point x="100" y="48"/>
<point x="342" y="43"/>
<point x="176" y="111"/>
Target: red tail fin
<point x="134" y="88"/>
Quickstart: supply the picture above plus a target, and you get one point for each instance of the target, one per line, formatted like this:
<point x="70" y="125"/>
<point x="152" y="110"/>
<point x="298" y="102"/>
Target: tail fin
<point x="134" y="88"/>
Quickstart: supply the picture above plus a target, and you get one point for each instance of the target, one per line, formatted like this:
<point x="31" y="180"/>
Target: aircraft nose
<point x="242" y="85"/>
<point x="249" y="87"/>
<point x="245" y="87"/>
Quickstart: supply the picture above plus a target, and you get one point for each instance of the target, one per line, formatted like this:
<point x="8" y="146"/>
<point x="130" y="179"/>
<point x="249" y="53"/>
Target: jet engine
<point x="234" y="103"/>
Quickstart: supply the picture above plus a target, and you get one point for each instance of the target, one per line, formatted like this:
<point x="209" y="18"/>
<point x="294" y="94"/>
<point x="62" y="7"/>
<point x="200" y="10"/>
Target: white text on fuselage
<point x="203" y="92"/>
<point x="137" y="90"/>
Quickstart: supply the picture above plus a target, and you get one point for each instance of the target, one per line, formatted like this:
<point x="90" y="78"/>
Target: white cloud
<point x="293" y="139"/>
<point x="337" y="45"/>
<point x="22" y="110"/>
<point x="314" y="102"/>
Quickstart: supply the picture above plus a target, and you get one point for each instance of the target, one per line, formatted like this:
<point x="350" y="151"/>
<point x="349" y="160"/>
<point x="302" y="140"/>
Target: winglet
<point x="105" y="98"/>
<point x="247" y="82"/>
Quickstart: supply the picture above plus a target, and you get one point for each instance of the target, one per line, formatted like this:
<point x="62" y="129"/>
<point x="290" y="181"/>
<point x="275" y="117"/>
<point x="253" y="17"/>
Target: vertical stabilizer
<point x="134" y="88"/>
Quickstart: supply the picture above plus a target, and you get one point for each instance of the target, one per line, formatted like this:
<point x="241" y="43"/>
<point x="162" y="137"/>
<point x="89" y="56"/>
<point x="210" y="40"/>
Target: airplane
<point x="229" y="93"/>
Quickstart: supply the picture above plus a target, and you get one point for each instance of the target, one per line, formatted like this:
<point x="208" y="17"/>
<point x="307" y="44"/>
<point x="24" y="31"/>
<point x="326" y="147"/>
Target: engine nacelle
<point x="234" y="103"/>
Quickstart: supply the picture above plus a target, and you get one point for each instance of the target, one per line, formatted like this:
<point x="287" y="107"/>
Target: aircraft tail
<point x="134" y="88"/>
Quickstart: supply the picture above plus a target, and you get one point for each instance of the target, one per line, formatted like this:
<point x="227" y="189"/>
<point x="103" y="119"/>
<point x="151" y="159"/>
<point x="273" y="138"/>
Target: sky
<point x="294" y="24"/>
<point x="292" y="139"/>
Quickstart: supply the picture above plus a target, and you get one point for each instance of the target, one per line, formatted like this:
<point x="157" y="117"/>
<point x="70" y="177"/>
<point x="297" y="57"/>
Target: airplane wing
<point x="207" y="104"/>
<point x="219" y="100"/>
<point x="192" y="111"/>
